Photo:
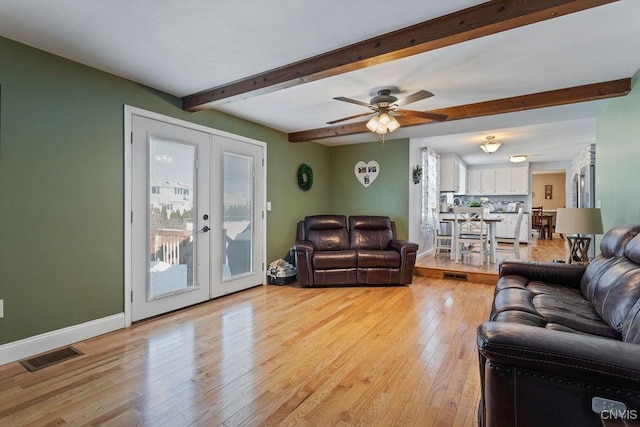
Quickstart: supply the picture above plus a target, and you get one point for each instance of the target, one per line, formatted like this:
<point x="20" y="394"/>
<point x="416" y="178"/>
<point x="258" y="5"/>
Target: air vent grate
<point x="51" y="358"/>
<point x="454" y="276"/>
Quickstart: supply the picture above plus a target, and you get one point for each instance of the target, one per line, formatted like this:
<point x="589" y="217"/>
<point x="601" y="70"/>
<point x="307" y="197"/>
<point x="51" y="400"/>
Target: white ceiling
<point x="184" y="47"/>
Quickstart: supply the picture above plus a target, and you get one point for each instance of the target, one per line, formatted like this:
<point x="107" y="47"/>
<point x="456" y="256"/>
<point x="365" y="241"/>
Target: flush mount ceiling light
<point x="519" y="158"/>
<point x="383" y="122"/>
<point x="490" y="145"/>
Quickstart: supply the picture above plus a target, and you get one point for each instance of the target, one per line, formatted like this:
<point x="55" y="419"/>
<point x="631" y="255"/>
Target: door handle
<point x="205" y="229"/>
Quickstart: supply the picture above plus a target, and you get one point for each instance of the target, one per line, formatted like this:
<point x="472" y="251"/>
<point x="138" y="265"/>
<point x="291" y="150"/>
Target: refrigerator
<point x="586" y="187"/>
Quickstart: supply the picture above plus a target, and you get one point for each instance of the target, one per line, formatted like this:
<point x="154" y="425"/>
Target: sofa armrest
<point x="408" y="252"/>
<point x="586" y="358"/>
<point x="403" y="246"/>
<point x="303" y="250"/>
<point x="568" y="275"/>
<point x="535" y="376"/>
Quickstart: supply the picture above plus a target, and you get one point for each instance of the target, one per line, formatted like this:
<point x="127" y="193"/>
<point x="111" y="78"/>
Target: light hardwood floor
<point x="273" y="355"/>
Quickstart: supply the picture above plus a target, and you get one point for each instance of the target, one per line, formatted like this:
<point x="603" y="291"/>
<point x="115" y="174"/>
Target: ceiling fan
<point x="385" y="103"/>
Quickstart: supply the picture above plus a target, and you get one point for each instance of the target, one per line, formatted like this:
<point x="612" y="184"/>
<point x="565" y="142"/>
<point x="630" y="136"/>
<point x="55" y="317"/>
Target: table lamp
<point x="578" y="221"/>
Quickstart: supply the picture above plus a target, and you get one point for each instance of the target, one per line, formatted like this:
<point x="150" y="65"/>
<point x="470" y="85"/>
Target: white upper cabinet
<point x="520" y="180"/>
<point x="503" y="181"/>
<point x="488" y="182"/>
<point x="462" y="179"/>
<point x="498" y="181"/>
<point x="474" y="181"/>
<point x="452" y="175"/>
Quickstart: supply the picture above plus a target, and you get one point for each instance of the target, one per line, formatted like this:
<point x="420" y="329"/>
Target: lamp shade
<point x="579" y="221"/>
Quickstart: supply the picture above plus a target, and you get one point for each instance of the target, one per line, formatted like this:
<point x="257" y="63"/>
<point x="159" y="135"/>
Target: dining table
<point x="492" y="236"/>
<point x="546" y="222"/>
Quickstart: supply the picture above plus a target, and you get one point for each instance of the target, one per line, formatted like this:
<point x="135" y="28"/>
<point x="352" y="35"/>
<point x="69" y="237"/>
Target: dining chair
<point x="470" y="230"/>
<point x="513" y="241"/>
<point x="442" y="240"/>
<point x="536" y="221"/>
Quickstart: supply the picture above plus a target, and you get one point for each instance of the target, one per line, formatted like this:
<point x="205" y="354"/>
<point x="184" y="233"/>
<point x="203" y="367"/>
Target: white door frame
<point x="129" y="112"/>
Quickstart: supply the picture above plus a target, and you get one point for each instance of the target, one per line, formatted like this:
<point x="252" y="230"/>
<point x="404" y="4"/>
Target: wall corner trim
<point x="37" y="344"/>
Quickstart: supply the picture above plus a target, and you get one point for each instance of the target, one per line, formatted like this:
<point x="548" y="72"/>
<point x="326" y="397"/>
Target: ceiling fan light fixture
<point x="373" y="124"/>
<point x="393" y="124"/>
<point x="519" y="158"/>
<point x="383" y="123"/>
<point x="490" y="145"/>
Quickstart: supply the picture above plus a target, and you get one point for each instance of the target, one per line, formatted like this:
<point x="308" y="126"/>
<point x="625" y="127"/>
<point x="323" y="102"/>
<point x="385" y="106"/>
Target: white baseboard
<point x="425" y="253"/>
<point x="27" y="347"/>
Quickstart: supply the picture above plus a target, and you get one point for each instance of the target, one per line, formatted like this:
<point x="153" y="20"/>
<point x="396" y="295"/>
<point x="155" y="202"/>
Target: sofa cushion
<point x="612" y="280"/>
<point x="378" y="259"/>
<point x="615" y="240"/>
<point x="327" y="232"/>
<point x="327" y="260"/>
<point x="370" y="232"/>
<point x="547" y="305"/>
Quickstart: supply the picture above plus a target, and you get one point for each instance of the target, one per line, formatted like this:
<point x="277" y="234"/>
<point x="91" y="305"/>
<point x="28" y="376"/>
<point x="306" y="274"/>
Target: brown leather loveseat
<point x="328" y="253"/>
<point x="562" y="347"/>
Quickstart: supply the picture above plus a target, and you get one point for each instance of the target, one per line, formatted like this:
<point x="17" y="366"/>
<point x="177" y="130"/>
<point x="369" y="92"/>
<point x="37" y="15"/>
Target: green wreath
<point x="305" y="177"/>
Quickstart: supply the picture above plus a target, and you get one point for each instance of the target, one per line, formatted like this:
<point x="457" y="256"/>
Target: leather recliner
<point x="367" y="252"/>
<point x="562" y="347"/>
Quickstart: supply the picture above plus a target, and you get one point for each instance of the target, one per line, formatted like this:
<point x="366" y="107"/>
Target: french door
<point x="241" y="219"/>
<point x="197" y="216"/>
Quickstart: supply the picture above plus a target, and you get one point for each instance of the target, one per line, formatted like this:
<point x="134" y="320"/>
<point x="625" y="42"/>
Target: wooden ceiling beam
<point x="477" y="21"/>
<point x="552" y="98"/>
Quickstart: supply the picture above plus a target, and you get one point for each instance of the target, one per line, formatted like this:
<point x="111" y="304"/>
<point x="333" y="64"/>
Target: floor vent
<point x="51" y="358"/>
<point x="454" y="276"/>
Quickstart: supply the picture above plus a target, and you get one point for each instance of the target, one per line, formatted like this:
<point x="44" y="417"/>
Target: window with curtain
<point x="430" y="184"/>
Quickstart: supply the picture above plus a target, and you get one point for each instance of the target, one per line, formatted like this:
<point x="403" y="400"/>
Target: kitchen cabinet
<point x="474" y="181"/>
<point x="512" y="180"/>
<point x="498" y="181"/>
<point x="462" y="179"/>
<point x="520" y="180"/>
<point x="488" y="181"/>
<point x="452" y="175"/>
<point x="481" y="181"/>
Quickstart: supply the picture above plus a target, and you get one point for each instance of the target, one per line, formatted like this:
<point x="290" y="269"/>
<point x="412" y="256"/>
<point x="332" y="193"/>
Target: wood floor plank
<point x="274" y="355"/>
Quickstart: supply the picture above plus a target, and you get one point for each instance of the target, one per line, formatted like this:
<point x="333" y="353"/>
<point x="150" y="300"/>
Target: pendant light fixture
<point x="490" y="145"/>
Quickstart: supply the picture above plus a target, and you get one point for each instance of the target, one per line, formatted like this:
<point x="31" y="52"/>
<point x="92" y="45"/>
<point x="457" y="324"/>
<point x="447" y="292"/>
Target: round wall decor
<point x="305" y="177"/>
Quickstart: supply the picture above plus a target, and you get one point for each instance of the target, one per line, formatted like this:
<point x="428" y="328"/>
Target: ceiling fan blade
<point x="349" y="118"/>
<point x="424" y="114"/>
<point x="352" y="101"/>
<point x="419" y="95"/>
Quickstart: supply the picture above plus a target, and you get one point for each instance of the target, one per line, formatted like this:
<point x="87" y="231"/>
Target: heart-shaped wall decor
<point x="366" y="172"/>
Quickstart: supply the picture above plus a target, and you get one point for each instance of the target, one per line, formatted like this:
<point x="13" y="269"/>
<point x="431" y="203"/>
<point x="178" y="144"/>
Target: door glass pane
<point x="171" y="232"/>
<point x="238" y="215"/>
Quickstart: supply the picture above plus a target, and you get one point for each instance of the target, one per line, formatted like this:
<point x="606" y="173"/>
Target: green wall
<point x="617" y="154"/>
<point x="62" y="187"/>
<point x="387" y="195"/>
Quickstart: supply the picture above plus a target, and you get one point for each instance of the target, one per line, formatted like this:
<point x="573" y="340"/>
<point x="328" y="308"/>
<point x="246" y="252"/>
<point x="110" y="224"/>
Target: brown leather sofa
<point x="562" y="347"/>
<point x="329" y="253"/>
